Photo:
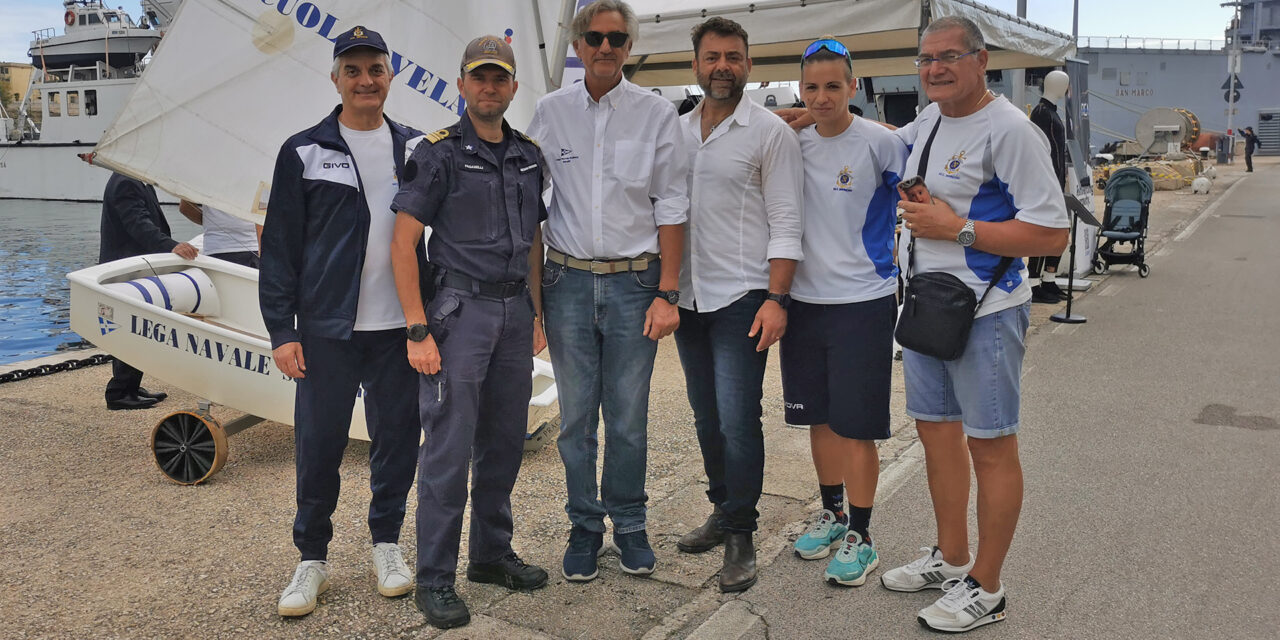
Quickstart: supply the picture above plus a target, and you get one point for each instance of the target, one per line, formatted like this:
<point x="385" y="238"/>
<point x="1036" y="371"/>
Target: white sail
<point x="232" y="79"/>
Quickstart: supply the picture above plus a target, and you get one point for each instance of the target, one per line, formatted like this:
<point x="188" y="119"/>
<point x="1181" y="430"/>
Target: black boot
<point x="442" y="606"/>
<point x="1041" y="295"/>
<point x="1053" y="289"/>
<point x="739" y="570"/>
<point x="509" y="571"/>
<point x="705" y="537"/>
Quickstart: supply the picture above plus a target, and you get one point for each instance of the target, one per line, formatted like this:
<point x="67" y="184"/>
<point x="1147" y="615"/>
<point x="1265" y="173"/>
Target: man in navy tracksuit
<point x="329" y="302"/>
<point x="133" y="225"/>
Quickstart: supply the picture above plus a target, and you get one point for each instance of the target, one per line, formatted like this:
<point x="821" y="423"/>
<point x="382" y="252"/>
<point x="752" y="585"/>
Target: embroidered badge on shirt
<point x="844" y="180"/>
<point x="566" y="156"/>
<point x="953" y="165"/>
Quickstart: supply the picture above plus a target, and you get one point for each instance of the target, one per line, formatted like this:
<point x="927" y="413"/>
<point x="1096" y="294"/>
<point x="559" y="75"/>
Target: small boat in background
<point x="94" y="33"/>
<point x="196" y="325"/>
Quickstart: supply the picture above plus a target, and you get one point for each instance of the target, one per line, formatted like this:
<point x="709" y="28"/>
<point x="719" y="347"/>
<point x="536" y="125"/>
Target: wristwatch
<point x="967" y="236"/>
<point x="672" y="297"/>
<point x="783" y="299"/>
<point x="418" y="332"/>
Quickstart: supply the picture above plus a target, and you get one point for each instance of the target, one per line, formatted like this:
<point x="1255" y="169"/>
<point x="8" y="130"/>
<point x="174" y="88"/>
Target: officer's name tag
<point x="474" y="167"/>
<point x="529" y="168"/>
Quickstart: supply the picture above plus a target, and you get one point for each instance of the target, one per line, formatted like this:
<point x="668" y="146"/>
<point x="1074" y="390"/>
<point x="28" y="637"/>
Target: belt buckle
<point x="601" y="267"/>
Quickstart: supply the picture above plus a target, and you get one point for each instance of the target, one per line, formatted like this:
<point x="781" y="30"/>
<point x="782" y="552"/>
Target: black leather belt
<point x="465" y="282"/>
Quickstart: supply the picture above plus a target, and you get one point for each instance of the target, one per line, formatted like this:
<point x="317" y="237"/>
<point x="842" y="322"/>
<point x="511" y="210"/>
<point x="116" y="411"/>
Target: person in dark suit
<point x="1250" y="143"/>
<point x="133" y="225"/>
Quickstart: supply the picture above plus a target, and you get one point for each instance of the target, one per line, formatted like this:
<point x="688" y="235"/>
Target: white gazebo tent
<point x="882" y="34"/>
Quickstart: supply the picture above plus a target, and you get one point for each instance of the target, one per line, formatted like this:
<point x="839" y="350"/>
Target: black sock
<point x="859" y="520"/>
<point x="833" y="501"/>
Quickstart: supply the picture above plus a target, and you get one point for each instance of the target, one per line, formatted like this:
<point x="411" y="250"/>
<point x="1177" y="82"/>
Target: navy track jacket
<point x="316" y="229"/>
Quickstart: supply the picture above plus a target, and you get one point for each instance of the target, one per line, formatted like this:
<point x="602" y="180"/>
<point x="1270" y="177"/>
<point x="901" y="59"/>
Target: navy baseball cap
<point x="359" y="36"/>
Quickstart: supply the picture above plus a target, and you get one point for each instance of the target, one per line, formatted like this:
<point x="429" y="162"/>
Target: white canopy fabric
<point x="882" y="34"/>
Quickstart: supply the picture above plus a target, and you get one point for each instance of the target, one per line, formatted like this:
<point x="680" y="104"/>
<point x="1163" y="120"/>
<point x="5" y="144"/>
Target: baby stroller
<point x="1128" y="195"/>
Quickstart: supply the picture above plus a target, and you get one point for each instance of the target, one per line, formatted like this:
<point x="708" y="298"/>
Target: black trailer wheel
<point x="189" y="448"/>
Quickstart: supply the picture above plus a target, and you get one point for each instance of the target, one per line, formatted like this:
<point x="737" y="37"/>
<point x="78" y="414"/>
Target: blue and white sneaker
<point x="816" y="543"/>
<point x="852" y="562"/>
<point x="635" y="556"/>
<point x="581" y="555"/>
<point x="963" y="607"/>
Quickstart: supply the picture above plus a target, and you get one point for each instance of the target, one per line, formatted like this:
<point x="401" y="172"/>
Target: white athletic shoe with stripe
<point x="963" y="607"/>
<point x="926" y="572"/>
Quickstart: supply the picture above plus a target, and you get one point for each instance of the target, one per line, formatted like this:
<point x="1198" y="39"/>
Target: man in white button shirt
<point x="746" y="180"/>
<point x="618" y="202"/>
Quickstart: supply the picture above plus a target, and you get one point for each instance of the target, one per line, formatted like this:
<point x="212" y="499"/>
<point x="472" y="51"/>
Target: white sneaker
<point x="394" y="576"/>
<point x="963" y="607"/>
<point x="310" y="579"/>
<point x="926" y="572"/>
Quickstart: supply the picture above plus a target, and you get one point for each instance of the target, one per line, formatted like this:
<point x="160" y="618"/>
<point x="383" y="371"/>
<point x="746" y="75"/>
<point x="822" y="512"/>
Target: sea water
<point x="40" y="242"/>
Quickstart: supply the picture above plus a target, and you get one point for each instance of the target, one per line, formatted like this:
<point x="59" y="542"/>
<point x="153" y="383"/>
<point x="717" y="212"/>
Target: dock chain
<point x="44" y="370"/>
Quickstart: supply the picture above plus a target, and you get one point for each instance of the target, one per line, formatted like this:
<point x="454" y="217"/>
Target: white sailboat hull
<point x="224" y="357"/>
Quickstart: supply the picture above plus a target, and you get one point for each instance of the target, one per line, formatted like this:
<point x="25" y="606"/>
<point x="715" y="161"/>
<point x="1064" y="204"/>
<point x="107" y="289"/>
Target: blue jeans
<point x="603" y="362"/>
<point x="724" y="377"/>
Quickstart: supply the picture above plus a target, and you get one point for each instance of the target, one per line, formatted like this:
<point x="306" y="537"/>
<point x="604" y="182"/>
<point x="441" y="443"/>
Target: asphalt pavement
<point x="1149" y="445"/>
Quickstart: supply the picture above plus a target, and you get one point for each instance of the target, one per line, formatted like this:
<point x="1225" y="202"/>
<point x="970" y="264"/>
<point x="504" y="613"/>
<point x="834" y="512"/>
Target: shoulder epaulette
<point x="524" y="136"/>
<point x="437" y="136"/>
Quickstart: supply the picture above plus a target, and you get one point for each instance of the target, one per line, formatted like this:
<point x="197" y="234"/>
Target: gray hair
<point x="582" y="19"/>
<point x="337" y="62"/>
<point x="973" y="39"/>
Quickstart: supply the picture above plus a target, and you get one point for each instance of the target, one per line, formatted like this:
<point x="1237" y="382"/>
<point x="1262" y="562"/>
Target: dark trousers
<point x="124" y="382"/>
<point x="724" y="377"/>
<point x="1248" y="162"/>
<point x="376" y="361"/>
<point x="1036" y="265"/>
<point x="246" y="258"/>
<point x="475" y="410"/>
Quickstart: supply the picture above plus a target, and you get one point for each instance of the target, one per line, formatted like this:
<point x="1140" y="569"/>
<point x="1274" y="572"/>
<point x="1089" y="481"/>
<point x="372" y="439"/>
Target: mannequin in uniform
<point x="1045" y="115"/>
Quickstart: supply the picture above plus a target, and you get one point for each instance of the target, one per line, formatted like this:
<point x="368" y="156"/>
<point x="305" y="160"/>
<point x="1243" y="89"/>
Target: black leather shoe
<point x="739" y="570"/>
<point x="1041" y="295"/>
<point x="1052" y="288"/>
<point x="705" y="537"/>
<point x="131" y="402"/>
<point x="509" y="571"/>
<point x="442" y="607"/>
<point x="157" y="395"/>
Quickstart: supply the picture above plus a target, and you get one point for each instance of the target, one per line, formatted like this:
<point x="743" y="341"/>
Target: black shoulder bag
<point x="937" y="307"/>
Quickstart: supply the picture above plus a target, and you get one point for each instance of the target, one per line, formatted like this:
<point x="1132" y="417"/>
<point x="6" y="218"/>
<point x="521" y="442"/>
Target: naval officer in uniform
<point x="478" y="185"/>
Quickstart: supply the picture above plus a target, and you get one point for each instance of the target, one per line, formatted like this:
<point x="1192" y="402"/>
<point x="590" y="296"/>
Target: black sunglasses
<point x="616" y="38"/>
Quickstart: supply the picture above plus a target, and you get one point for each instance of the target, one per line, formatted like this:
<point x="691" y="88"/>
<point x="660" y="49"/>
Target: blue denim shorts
<point x="982" y="388"/>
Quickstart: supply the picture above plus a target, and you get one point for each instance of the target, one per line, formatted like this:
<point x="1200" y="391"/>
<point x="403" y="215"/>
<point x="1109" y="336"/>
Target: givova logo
<point x="336" y="165"/>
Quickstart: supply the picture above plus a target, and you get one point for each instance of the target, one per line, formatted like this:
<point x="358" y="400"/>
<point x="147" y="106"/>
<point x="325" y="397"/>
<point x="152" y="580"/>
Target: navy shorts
<point x="837" y="366"/>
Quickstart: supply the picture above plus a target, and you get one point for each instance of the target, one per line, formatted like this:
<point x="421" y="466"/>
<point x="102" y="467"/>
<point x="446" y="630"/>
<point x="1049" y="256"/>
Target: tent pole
<point x="563" y="37"/>
<point x="1018" y="77"/>
<point x="926" y="11"/>
<point x="542" y="45"/>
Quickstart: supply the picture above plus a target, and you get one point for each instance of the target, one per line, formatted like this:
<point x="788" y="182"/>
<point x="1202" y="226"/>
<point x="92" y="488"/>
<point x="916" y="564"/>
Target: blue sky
<point x="1174" y="19"/>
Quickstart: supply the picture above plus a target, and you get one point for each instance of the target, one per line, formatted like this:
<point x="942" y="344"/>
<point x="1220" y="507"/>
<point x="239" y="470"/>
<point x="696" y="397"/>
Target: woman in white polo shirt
<point x="838" y="349"/>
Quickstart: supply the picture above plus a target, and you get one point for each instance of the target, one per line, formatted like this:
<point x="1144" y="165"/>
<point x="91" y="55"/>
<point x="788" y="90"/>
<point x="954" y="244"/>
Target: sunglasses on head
<point x="834" y="46"/>
<point x="616" y="38"/>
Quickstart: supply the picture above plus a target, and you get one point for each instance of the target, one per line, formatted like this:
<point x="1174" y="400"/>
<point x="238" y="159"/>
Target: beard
<point x="734" y="90"/>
